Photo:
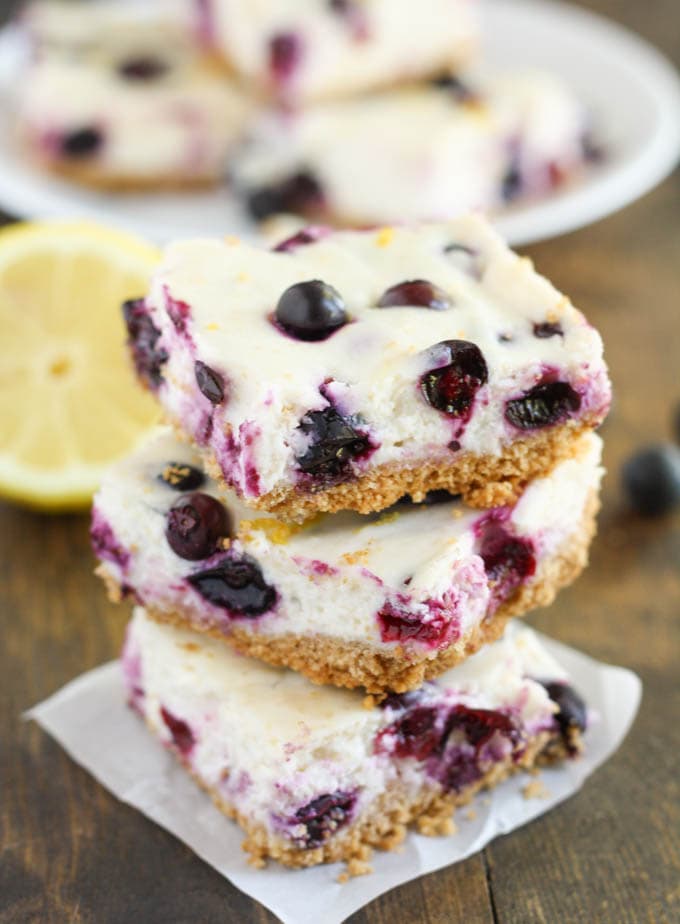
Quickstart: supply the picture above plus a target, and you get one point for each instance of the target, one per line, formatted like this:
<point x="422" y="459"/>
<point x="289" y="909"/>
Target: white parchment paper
<point x="89" y="718"/>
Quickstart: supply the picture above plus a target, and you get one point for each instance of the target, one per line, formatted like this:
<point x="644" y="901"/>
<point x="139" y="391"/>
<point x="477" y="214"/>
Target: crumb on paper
<point x="535" y="789"/>
<point x="357" y="866"/>
<point x="360" y="557"/>
<point x="470" y="815"/>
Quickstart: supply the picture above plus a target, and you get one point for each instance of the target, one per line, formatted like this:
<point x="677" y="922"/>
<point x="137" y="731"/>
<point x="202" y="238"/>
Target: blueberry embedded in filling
<point x="143" y="336"/>
<point x="508" y="560"/>
<point x="180" y="476"/>
<point x="82" y="143"/>
<point x="548" y="329"/>
<point x="144" y="68"/>
<point x="334" y="443"/>
<point x="210" y="383"/>
<point x="451" y="386"/>
<point x="316" y="822"/>
<point x="285" y="55"/>
<point x="309" y="235"/>
<point x="542" y="406"/>
<point x="236" y="584"/>
<point x="572" y="717"/>
<point x="182" y="736"/>
<point x="417" y="293"/>
<point x="398" y="624"/>
<point x="512" y="182"/>
<point x="300" y="193"/>
<point x="311" y="310"/>
<point x="461" y="92"/>
<point x="195" y="524"/>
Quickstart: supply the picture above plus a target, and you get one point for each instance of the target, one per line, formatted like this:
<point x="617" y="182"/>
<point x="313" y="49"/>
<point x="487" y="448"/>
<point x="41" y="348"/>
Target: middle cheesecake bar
<point x="383" y="601"/>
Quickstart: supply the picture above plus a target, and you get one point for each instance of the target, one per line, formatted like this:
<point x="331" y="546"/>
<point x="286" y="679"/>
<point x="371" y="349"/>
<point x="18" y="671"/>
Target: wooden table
<point x="72" y="853"/>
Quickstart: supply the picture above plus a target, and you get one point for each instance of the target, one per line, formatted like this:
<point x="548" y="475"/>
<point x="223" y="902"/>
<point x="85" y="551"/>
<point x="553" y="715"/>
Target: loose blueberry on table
<point x="651" y="479"/>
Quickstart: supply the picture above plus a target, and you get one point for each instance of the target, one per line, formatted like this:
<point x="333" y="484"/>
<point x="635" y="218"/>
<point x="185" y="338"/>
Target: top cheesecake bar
<point x="343" y="370"/>
<point x="301" y="50"/>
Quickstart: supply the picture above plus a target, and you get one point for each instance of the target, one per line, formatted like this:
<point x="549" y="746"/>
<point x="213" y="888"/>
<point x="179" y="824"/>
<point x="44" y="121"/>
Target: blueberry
<point x="83" y="142"/>
<point x="210" y="383"/>
<point x="437" y="496"/>
<point x="334" y="442"/>
<point x="542" y="406"/>
<point x="511" y="184"/>
<point x="143" y="68"/>
<point x="298" y="193"/>
<point x="452" y="386"/>
<point x="322" y="817"/>
<point x="572" y="715"/>
<point x="651" y="478"/>
<point x="182" y="736"/>
<point x="195" y="524"/>
<point x="460" y="91"/>
<point x="311" y="310"/>
<point x="285" y="53"/>
<point x="306" y="236"/>
<point x="180" y="476"/>
<point x="547" y="329"/>
<point x="143" y="335"/>
<point x="236" y="584"/>
<point x="416" y="293"/>
<point x="508" y="560"/>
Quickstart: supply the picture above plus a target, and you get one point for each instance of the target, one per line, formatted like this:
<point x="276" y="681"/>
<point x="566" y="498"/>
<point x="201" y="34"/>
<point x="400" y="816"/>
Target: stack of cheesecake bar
<point x="378" y="449"/>
<point x="350" y="112"/>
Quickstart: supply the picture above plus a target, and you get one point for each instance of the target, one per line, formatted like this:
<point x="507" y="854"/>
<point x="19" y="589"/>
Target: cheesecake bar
<point x="342" y="370"/>
<point x="380" y="601"/>
<point x="118" y="102"/>
<point x="296" y="51"/>
<point x="315" y="774"/>
<point x="421" y="153"/>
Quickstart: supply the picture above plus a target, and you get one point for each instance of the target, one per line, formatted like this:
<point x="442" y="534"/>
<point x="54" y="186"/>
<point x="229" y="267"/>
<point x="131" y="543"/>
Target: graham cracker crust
<point x="482" y="480"/>
<point x="383" y="825"/>
<point x="98" y="178"/>
<point x="327" y="660"/>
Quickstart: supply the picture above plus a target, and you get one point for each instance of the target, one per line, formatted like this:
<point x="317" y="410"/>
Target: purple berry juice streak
<point x="104" y="542"/>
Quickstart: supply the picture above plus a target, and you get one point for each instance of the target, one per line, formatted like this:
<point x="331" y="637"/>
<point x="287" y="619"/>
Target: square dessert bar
<point x="425" y="152"/>
<point x="381" y="602"/>
<point x="345" y="369"/>
<point x="117" y="101"/>
<point x="300" y="50"/>
<point x="315" y="774"/>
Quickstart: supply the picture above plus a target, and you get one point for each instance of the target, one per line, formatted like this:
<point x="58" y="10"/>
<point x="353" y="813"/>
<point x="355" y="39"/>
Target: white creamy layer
<point x="335" y="574"/>
<point x="271" y="741"/>
<point x="180" y="123"/>
<point x="419" y="153"/>
<point x="371" y="43"/>
<point x="372" y="366"/>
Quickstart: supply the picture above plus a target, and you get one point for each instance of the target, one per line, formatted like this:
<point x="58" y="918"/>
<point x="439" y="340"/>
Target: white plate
<point x="633" y="91"/>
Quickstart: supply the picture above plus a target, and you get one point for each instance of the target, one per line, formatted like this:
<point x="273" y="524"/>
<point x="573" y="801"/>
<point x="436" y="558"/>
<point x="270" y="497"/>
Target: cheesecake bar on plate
<point x="123" y="102"/>
<point x="426" y="152"/>
<point x="300" y="50"/>
<point x="345" y="369"/>
<point x="315" y="774"/>
<point x="381" y="601"/>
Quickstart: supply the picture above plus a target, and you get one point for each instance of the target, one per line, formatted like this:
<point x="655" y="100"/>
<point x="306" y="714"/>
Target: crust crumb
<point x="535" y="789"/>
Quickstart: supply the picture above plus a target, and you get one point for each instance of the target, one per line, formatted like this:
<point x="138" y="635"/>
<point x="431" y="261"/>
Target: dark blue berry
<point x="143" y="68"/>
<point x="285" y="52"/>
<point x="300" y="193"/>
<point x="182" y="736"/>
<point x="511" y="184"/>
<point x="334" y="442"/>
<point x="210" y="383"/>
<point x="460" y="91"/>
<point x="508" y="560"/>
<point x="194" y="526"/>
<point x="542" y="406"/>
<point x="311" y="310"/>
<point x="83" y="142"/>
<point x="236" y="584"/>
<point x="651" y="478"/>
<point x="416" y="293"/>
<point x="322" y="817"/>
<point x="548" y="329"/>
<point x="143" y="335"/>
<point x="572" y="715"/>
<point x="452" y="386"/>
<point x="180" y="476"/>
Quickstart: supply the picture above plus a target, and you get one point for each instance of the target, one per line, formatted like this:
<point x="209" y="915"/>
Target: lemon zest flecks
<point x="384" y="237"/>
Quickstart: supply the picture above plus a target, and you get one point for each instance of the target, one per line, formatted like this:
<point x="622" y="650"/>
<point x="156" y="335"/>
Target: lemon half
<point x="69" y="402"/>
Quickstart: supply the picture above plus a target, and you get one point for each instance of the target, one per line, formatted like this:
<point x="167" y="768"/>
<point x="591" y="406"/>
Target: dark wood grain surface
<point x="72" y="853"/>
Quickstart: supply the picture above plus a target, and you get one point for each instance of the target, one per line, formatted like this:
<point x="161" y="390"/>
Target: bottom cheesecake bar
<point x="315" y="774"/>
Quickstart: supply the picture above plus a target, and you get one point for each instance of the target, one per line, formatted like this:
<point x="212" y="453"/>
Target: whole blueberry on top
<point x="651" y="478"/>
<point x="195" y="525"/>
<point x="418" y="293"/>
<point x="452" y="386"/>
<point x="542" y="406"/>
<point x="311" y="310"/>
<point x="82" y="142"/>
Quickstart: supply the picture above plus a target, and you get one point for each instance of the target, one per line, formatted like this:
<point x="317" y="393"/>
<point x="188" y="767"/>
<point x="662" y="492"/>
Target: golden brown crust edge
<point x="97" y="178"/>
<point x="385" y="823"/>
<point x="482" y="481"/>
<point x="326" y="660"/>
